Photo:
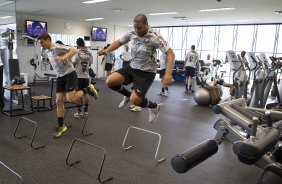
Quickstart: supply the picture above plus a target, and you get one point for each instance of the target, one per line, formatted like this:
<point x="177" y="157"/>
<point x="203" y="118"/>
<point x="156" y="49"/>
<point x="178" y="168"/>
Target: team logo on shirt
<point x="161" y="42"/>
<point x="146" y="40"/>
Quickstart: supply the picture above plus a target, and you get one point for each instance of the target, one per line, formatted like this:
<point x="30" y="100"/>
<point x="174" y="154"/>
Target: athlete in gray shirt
<point x="60" y="59"/>
<point x="82" y="62"/>
<point x="142" y="69"/>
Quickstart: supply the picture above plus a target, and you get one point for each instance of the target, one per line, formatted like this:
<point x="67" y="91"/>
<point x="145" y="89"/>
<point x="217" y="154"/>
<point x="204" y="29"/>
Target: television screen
<point x="35" y="28"/>
<point x="99" y="34"/>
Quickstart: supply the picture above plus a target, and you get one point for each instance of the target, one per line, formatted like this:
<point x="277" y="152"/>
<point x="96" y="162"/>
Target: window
<point x="265" y="38"/>
<point x="245" y="38"/>
<point x="177" y="38"/>
<point x="193" y="36"/>
<point x="225" y="38"/>
<point x="279" y="47"/>
<point x="208" y="38"/>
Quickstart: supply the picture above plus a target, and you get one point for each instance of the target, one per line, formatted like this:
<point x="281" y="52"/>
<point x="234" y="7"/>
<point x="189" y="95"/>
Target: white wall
<point x="55" y="25"/>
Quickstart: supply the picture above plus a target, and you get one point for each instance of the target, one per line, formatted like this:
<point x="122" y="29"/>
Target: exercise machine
<point x="240" y="78"/>
<point x="259" y="145"/>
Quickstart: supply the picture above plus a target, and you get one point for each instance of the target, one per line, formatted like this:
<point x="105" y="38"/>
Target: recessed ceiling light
<point x="130" y="25"/>
<point x="94" y="1"/>
<point x="163" y="13"/>
<point x="94" y="19"/>
<point x="216" y="9"/>
<point x="6" y="17"/>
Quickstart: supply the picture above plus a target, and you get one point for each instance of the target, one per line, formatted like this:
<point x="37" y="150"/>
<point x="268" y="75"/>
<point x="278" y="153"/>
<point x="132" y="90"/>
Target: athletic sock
<point x="78" y="108"/>
<point x="186" y="87"/>
<point x="147" y="103"/>
<point x="86" y="108"/>
<point x="122" y="90"/>
<point x="60" y="121"/>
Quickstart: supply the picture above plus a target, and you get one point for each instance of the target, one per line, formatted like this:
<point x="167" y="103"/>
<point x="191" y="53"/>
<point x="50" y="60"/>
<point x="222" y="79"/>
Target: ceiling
<point x="121" y="12"/>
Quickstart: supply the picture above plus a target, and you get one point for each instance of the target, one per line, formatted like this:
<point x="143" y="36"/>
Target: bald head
<point x="140" y="24"/>
<point x="141" y="18"/>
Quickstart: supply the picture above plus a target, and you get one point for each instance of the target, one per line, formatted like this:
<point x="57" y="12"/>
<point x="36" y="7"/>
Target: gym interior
<point x="228" y="129"/>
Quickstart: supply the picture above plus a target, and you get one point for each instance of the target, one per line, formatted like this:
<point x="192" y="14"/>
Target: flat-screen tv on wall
<point x="35" y="28"/>
<point x="99" y="34"/>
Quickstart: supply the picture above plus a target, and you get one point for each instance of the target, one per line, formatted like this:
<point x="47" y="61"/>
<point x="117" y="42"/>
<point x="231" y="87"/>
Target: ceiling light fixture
<point x="94" y="19"/>
<point x="6" y="17"/>
<point x="163" y="13"/>
<point x="216" y="9"/>
<point x="118" y="10"/>
<point x="94" y="1"/>
<point x="195" y="22"/>
<point x="182" y="18"/>
<point x="278" y="12"/>
<point x="246" y="20"/>
<point x="2" y="4"/>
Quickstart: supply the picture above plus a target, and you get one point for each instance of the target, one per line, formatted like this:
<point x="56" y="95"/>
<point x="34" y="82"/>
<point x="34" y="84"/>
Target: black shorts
<point x="108" y="66"/>
<point x="141" y="80"/>
<point x="82" y="83"/>
<point x="190" y="71"/>
<point x="67" y="83"/>
<point x="162" y="72"/>
<point x="124" y="63"/>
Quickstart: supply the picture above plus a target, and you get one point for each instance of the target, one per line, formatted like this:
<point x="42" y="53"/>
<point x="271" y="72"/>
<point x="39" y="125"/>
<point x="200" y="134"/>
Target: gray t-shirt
<point x="82" y="61"/>
<point x="109" y="58"/>
<point x="126" y="56"/>
<point x="191" y="59"/>
<point x="143" y="50"/>
<point x="62" y="67"/>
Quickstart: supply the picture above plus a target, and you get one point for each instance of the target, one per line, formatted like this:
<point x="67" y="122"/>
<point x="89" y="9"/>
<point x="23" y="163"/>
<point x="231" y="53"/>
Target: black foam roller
<point x="183" y="162"/>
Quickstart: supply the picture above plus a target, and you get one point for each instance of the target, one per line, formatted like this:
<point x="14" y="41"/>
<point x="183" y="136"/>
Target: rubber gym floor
<point x="181" y="123"/>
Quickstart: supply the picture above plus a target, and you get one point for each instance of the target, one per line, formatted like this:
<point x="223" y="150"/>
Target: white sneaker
<point x="135" y="109"/>
<point x="123" y="103"/>
<point x="131" y="106"/>
<point x="153" y="114"/>
<point x="78" y="114"/>
<point x="85" y="114"/>
<point x="164" y="93"/>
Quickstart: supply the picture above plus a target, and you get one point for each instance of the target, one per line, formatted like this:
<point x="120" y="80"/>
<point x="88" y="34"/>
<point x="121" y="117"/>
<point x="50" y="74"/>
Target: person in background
<point x="207" y="65"/>
<point x="125" y="56"/>
<point x="110" y="59"/>
<point x="142" y="69"/>
<point x="82" y="62"/>
<point x="60" y="59"/>
<point x="190" y="64"/>
<point x="163" y="63"/>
